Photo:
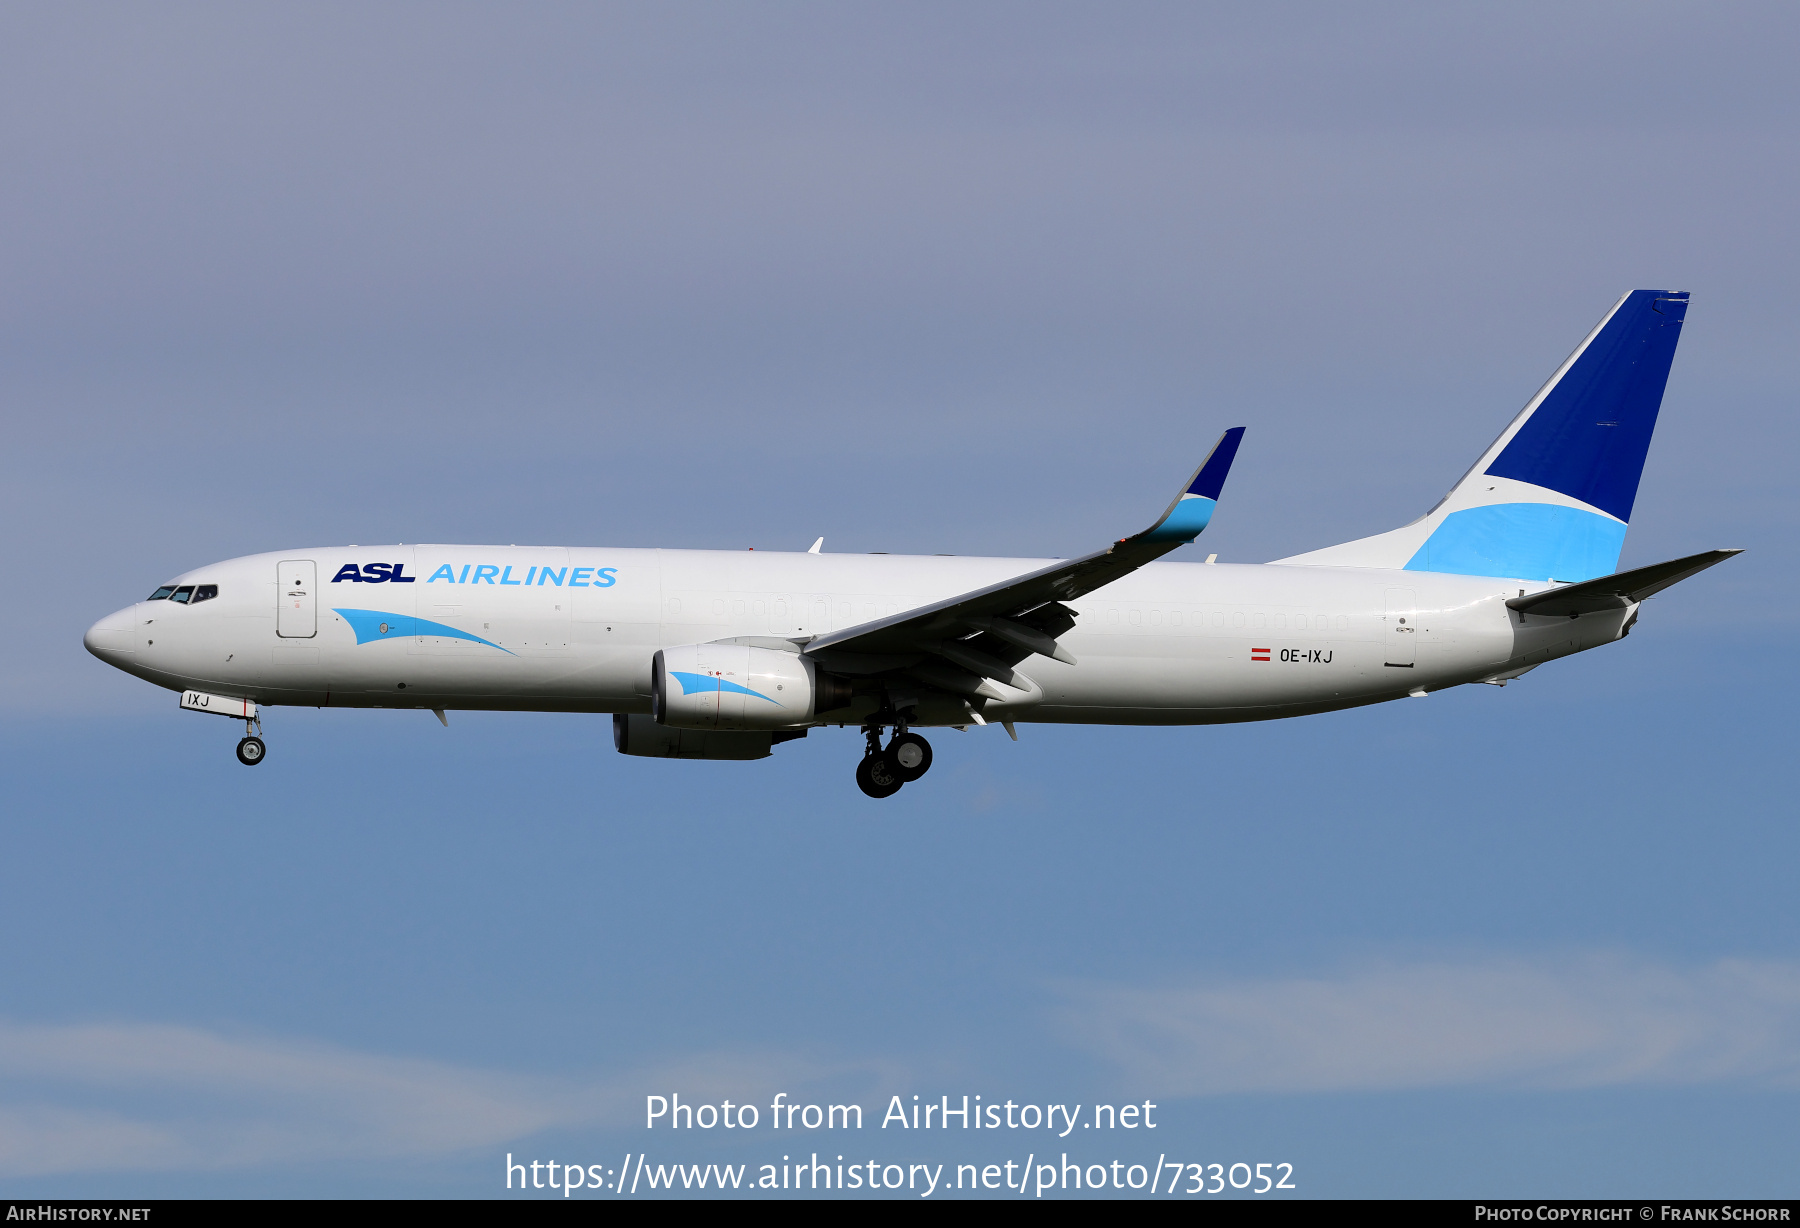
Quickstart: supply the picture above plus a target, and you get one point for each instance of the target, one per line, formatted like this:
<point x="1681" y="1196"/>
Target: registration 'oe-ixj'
<point x="712" y="654"/>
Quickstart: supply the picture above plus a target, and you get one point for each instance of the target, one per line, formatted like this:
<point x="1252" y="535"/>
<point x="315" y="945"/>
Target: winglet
<point x="1193" y="507"/>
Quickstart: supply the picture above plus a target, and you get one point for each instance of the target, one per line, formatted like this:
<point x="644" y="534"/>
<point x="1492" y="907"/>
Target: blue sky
<point x="972" y="279"/>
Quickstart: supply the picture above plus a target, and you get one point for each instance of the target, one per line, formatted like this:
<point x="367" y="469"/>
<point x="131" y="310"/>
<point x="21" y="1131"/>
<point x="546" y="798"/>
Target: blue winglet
<point x="1209" y="482"/>
<point x="1193" y="508"/>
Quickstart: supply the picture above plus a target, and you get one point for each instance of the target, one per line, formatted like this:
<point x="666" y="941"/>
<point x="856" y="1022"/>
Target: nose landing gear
<point x="883" y="770"/>
<point x="250" y="750"/>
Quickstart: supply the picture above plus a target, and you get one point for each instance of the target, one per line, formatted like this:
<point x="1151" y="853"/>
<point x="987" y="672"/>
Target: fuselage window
<point x="161" y="594"/>
<point x="1156" y="618"/>
<point x="1343" y="622"/>
<point x="1136" y="617"/>
<point x="1218" y="618"/>
<point x="182" y="594"/>
<point x="205" y="592"/>
<point x="1237" y="618"/>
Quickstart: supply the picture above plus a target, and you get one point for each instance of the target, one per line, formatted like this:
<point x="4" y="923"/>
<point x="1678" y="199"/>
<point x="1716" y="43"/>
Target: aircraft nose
<point x="113" y="639"/>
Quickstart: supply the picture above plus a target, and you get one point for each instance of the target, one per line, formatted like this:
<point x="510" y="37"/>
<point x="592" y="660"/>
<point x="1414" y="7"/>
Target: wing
<point x="1618" y="590"/>
<point x="961" y="642"/>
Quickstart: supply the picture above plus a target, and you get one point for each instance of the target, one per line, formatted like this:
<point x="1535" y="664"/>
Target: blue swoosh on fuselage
<point x="372" y="625"/>
<point x="696" y="684"/>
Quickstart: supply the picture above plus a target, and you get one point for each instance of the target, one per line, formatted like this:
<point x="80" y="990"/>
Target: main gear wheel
<point x="878" y="776"/>
<point x="910" y="754"/>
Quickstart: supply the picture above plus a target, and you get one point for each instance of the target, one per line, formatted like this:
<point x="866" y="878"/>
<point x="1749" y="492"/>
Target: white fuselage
<point x="486" y="627"/>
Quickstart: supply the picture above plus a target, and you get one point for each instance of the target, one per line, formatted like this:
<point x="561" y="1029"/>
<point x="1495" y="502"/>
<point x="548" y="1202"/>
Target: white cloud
<point x="93" y="1097"/>
<point x="1591" y="1021"/>
<point x="139" y="1096"/>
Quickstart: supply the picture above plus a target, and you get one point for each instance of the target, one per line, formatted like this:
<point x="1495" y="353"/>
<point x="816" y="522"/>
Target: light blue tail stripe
<point x="1524" y="541"/>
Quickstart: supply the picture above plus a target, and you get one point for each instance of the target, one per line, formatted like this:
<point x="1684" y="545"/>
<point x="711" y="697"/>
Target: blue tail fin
<point x="1591" y="430"/>
<point x="1551" y="498"/>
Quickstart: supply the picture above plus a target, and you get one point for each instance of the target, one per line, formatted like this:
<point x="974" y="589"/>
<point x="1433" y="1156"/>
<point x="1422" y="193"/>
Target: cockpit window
<point x="161" y="594"/>
<point x="182" y="594"/>
<point x="204" y="592"/>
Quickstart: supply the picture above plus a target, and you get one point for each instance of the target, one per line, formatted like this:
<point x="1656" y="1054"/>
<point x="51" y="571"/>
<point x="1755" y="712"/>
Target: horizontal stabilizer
<point x="1617" y="591"/>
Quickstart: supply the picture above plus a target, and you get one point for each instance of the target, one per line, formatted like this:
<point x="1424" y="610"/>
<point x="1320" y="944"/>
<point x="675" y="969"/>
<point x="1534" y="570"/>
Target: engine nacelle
<point x="636" y="734"/>
<point x="736" y="686"/>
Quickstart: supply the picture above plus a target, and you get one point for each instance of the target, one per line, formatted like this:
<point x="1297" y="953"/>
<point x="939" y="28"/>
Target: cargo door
<point x="1400" y="628"/>
<point x="297" y="598"/>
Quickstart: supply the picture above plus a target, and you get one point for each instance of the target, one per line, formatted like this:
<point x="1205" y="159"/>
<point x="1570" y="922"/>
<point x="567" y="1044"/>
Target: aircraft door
<point x="1400" y="627"/>
<point x="297" y="596"/>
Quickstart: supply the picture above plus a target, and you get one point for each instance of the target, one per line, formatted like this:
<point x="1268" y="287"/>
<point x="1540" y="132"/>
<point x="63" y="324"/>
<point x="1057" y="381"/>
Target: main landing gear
<point x="883" y="770"/>
<point x="251" y="750"/>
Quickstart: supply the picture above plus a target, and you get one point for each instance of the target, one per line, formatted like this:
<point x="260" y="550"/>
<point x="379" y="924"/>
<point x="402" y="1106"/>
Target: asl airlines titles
<point x="480" y="573"/>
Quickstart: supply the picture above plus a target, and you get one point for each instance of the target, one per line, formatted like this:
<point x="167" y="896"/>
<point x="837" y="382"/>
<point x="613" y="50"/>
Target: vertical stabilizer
<point x="1551" y="498"/>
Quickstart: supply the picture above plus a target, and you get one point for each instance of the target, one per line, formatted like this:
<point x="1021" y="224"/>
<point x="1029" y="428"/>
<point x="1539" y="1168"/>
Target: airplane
<point x="713" y="654"/>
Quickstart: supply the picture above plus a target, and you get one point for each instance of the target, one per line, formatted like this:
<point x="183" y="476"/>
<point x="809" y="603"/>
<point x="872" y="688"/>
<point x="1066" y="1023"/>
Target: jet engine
<point x="636" y="734"/>
<point x="726" y="686"/>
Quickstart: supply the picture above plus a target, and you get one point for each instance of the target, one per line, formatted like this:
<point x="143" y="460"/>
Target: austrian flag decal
<point x="1259" y="654"/>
